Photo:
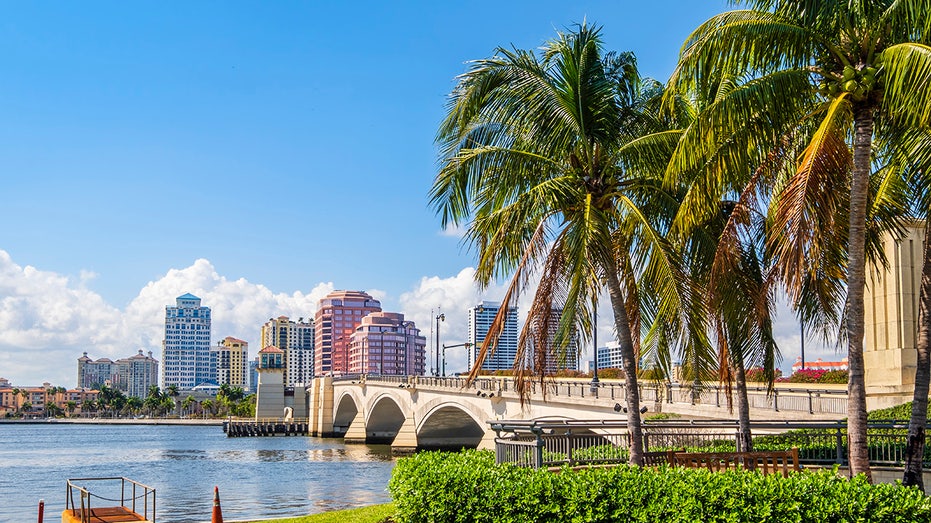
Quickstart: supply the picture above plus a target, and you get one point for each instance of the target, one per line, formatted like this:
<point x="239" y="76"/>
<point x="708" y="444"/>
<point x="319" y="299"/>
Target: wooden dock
<point x="101" y="515"/>
<point x="261" y="427"/>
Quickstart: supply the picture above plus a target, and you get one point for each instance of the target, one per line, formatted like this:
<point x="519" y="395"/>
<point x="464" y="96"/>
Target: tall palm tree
<point x="542" y="161"/>
<point x="871" y="62"/>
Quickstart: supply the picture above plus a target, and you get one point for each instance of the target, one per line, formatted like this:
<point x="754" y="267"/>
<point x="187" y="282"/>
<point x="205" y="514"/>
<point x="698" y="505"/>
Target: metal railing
<point x="129" y="491"/>
<point x="578" y="442"/>
<point x="812" y="401"/>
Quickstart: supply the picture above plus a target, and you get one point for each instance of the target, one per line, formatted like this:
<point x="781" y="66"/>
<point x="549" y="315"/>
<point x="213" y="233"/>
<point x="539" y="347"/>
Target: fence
<point x="577" y="442"/>
<point x="120" y="490"/>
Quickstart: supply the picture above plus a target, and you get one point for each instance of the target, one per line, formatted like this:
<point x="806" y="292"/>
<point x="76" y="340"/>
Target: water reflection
<point x="258" y="477"/>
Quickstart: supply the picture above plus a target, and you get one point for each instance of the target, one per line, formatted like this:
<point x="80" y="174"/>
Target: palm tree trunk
<point x="915" y="448"/>
<point x="744" y="437"/>
<point x="856" y="279"/>
<point x="629" y="362"/>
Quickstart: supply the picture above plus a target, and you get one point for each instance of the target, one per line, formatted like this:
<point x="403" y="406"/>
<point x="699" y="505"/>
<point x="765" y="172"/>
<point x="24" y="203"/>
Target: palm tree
<point x="870" y="61"/>
<point x="542" y="160"/>
<point x="186" y="405"/>
<point x="71" y="406"/>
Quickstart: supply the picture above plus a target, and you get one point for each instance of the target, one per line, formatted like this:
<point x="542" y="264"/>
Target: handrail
<point x="85" y="512"/>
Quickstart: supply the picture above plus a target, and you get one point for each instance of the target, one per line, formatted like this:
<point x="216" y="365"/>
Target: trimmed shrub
<point x="469" y="487"/>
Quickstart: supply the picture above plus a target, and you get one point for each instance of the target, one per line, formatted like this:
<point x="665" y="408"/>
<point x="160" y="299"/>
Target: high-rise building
<point x="570" y="358"/>
<point x="132" y="376"/>
<point x="480" y="318"/>
<point x="95" y="373"/>
<point x="232" y="357"/>
<point x="187" y="360"/>
<point x="296" y="339"/>
<point x="385" y="344"/>
<point x="609" y="356"/>
<point x="338" y="315"/>
<point x="136" y="374"/>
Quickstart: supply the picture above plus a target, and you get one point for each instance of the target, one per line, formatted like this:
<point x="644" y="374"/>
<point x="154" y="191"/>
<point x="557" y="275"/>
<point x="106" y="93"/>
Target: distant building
<point x="133" y="376"/>
<point x="232" y="357"/>
<point x="136" y="374"/>
<point x="570" y="358"/>
<point x="820" y="365"/>
<point x="253" y="375"/>
<point x="480" y="318"/>
<point x="338" y="315"/>
<point x="296" y="339"/>
<point x="95" y="373"/>
<point x="187" y="360"/>
<point x="33" y="401"/>
<point x="386" y="344"/>
<point x="609" y="356"/>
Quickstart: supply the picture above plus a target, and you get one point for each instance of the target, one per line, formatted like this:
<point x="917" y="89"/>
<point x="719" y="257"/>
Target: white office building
<point x="187" y="360"/>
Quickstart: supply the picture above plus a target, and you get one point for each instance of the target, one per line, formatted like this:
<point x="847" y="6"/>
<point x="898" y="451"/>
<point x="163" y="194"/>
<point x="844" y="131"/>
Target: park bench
<point x="767" y="462"/>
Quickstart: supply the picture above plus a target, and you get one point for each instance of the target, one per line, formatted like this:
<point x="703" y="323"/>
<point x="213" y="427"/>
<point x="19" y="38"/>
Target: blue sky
<point x="275" y="149"/>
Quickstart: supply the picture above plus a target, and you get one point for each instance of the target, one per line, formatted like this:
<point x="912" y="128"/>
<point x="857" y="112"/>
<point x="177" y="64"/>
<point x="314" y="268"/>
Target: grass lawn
<point x="371" y="514"/>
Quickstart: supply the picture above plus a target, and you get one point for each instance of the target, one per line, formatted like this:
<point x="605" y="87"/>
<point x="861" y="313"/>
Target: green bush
<point x="469" y="487"/>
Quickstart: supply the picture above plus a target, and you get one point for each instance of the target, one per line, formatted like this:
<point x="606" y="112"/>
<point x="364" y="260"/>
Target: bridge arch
<point x="345" y="410"/>
<point x="384" y="418"/>
<point x="450" y="425"/>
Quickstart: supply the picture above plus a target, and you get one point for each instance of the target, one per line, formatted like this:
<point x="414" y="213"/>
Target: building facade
<point x="338" y="315"/>
<point x="565" y="359"/>
<point x="385" y="344"/>
<point x="296" y="339"/>
<point x="609" y="356"/>
<point x="480" y="318"/>
<point x="187" y="360"/>
<point x="232" y="357"/>
<point x="35" y="401"/>
<point x="133" y="376"/>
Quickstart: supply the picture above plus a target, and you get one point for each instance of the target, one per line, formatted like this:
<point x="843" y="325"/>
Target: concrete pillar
<point x="269" y="396"/>
<point x="406" y="440"/>
<point x="356" y="431"/>
<point x="321" y="407"/>
<point x="488" y="440"/>
<point x="300" y="406"/>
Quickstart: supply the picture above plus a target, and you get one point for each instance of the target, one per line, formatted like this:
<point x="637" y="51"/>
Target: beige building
<point x="232" y="357"/>
<point x="891" y="320"/>
<point x="296" y="339"/>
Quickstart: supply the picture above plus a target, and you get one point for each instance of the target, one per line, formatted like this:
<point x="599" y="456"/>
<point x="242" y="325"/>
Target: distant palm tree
<point x="543" y="161"/>
<point x="871" y="62"/>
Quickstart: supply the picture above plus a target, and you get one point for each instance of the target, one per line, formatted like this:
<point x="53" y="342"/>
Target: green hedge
<point x="468" y="487"/>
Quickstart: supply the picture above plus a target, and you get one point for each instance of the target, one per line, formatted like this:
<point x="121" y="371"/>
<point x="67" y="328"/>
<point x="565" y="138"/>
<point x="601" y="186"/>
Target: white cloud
<point x="47" y="320"/>
<point x="454" y="231"/>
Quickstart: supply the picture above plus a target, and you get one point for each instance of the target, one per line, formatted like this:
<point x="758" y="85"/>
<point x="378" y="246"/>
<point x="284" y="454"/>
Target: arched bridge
<point x="419" y="412"/>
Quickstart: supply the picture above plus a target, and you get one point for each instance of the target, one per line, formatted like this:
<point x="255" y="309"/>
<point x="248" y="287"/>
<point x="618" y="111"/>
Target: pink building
<point x="386" y="344"/>
<point x="338" y="315"/>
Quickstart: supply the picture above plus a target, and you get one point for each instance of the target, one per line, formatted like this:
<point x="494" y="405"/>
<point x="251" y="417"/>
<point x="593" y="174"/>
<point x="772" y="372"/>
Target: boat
<point x="136" y="502"/>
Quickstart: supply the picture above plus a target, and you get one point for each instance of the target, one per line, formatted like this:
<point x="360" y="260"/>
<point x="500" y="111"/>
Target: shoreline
<point x="115" y="421"/>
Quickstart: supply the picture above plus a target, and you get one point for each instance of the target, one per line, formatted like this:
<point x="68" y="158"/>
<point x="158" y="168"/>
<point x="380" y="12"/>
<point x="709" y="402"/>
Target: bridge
<point x="423" y="412"/>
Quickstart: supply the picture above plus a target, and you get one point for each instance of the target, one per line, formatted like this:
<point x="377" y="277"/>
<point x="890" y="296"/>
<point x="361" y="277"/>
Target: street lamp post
<point x="439" y="318"/>
<point x="595" y="383"/>
<point x="466" y="345"/>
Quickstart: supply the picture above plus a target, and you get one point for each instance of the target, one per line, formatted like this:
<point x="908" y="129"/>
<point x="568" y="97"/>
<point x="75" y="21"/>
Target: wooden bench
<point x="767" y="462"/>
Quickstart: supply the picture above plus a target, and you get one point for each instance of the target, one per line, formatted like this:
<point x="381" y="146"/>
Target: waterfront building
<point x="135" y="374"/>
<point x="480" y="318"/>
<point x="187" y="360"/>
<point x="296" y="339"/>
<point x="818" y="364"/>
<point x="95" y="373"/>
<point x="33" y="401"/>
<point x="570" y="358"/>
<point x="338" y="315"/>
<point x="132" y="376"/>
<point x="384" y="343"/>
<point x="269" y="399"/>
<point x="232" y="357"/>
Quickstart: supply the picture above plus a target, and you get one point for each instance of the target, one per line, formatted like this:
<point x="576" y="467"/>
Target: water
<point x="259" y="478"/>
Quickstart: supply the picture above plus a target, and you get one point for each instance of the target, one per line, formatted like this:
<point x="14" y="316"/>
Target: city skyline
<point x="155" y="150"/>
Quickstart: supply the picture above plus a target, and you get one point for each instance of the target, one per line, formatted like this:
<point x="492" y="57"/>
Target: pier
<point x="235" y="428"/>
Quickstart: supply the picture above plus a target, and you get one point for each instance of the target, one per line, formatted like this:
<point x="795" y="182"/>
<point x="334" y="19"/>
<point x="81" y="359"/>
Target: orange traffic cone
<point x="217" y="516"/>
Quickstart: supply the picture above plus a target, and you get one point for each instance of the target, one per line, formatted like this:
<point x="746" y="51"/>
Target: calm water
<point x="258" y="477"/>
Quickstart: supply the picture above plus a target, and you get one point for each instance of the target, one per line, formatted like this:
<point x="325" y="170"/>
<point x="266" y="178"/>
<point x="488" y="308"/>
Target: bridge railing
<point x="578" y="442"/>
<point x="812" y="401"/>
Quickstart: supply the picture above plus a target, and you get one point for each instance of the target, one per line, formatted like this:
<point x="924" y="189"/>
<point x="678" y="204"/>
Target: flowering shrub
<point x="816" y="376"/>
<point x="757" y="374"/>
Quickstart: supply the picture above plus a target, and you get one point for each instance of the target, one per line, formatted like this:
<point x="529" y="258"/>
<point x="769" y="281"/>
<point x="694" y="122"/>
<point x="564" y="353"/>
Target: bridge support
<point x="356" y="432"/>
<point x="321" y="407"/>
<point x="406" y="440"/>
<point x="488" y="440"/>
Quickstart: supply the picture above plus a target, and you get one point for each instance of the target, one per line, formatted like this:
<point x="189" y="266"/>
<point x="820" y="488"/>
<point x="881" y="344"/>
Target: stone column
<point x="406" y="440"/>
<point x="356" y="431"/>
